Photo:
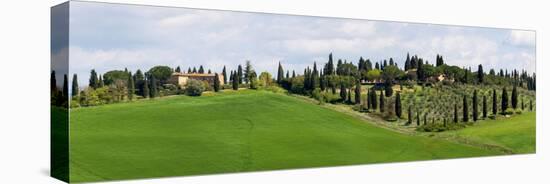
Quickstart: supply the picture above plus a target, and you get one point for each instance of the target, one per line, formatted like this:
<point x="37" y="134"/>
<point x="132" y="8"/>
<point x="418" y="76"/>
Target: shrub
<point x="438" y="127"/>
<point x="194" y="87"/>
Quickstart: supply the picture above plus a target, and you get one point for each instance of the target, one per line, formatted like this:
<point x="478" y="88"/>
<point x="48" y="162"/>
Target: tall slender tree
<point x="484" y="107"/>
<point x="409" y="116"/>
<point x="514" y="97"/>
<point x="343" y="93"/>
<point x="504" y="100"/>
<point x="235" y="81"/>
<point x="398" y="105"/>
<point x="480" y="74"/>
<point x="93" y="79"/>
<point x="146" y="91"/>
<point x="381" y="101"/>
<point x="280" y="73"/>
<point x="201" y="69"/>
<point x="74" y="87"/>
<point x="131" y="87"/>
<point x="154" y="89"/>
<point x="358" y="92"/>
<point x="224" y="74"/>
<point x="239" y="76"/>
<point x="53" y="83"/>
<point x="216" y="82"/>
<point x="495" y="107"/>
<point x="65" y="87"/>
<point x="417" y="118"/>
<point x="464" y="109"/>
<point x="178" y="69"/>
<point x="373" y="98"/>
<point x="474" y="106"/>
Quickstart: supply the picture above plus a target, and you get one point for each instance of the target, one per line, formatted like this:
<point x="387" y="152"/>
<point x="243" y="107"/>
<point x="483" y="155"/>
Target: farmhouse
<point x="182" y="78"/>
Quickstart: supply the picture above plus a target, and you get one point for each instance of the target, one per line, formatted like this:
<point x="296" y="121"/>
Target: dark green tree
<point x="480" y="74"/>
<point x="216" y="82"/>
<point x="101" y="82"/>
<point x="247" y="71"/>
<point x="381" y="101"/>
<point x="153" y="90"/>
<point x="178" y="69"/>
<point x="464" y="109"/>
<point x="280" y="73"/>
<point x="474" y="106"/>
<point x="358" y="92"/>
<point x="409" y="116"/>
<point x="161" y="73"/>
<point x="65" y="87"/>
<point x="189" y="70"/>
<point x="239" y="76"/>
<point x="224" y="74"/>
<point x="514" y="97"/>
<point x="235" y="81"/>
<point x="74" y="88"/>
<point x="530" y="105"/>
<point x="131" y="87"/>
<point x="53" y="83"/>
<point x="504" y="100"/>
<point x="94" y="83"/>
<point x="146" y="90"/>
<point x="373" y="99"/>
<point x="398" y="105"/>
<point x="343" y="93"/>
<point x="484" y="107"/>
<point x="194" y="70"/>
<point x="495" y="108"/>
<point x="349" y="97"/>
<point x="201" y="69"/>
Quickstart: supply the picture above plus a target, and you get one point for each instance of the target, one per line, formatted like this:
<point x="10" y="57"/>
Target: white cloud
<point x="522" y="38"/>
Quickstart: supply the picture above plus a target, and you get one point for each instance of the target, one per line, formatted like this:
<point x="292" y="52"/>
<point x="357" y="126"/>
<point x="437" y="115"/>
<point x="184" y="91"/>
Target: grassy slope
<point x="516" y="134"/>
<point x="246" y="131"/>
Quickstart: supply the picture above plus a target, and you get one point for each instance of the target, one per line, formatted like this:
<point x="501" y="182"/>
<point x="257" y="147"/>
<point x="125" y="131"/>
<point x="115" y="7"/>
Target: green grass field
<point x="516" y="134"/>
<point x="233" y="132"/>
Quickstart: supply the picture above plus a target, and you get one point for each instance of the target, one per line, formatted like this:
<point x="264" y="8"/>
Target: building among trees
<point x="182" y="78"/>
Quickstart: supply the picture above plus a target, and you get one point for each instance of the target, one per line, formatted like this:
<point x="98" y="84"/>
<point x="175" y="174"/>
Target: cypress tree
<point x="74" y="88"/>
<point x="373" y="102"/>
<point x="239" y="74"/>
<point x="153" y="89"/>
<point x="398" y="105"/>
<point x="409" y="116"/>
<point x="343" y="93"/>
<point x="146" y="90"/>
<point x="201" y="69"/>
<point x="480" y="74"/>
<point x="93" y="79"/>
<point x="530" y="105"/>
<point x="53" y="83"/>
<point x="235" y="81"/>
<point x="484" y="107"/>
<point x="464" y="109"/>
<point x="224" y="74"/>
<point x="209" y="71"/>
<point x="381" y="101"/>
<point x="216" y="82"/>
<point x="514" y="97"/>
<point x="504" y="102"/>
<point x="293" y="73"/>
<point x="280" y="73"/>
<point x="194" y="70"/>
<point x="189" y="70"/>
<point x="178" y="69"/>
<point x="131" y="87"/>
<point x="522" y="104"/>
<point x="65" y="88"/>
<point x="455" y="119"/>
<point x="495" y="108"/>
<point x="474" y="106"/>
<point x="369" y="100"/>
<point x="357" y="92"/>
<point x="287" y="75"/>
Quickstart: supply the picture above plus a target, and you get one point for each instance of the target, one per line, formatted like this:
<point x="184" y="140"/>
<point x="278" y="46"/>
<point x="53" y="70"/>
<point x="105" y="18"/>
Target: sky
<point x="108" y="37"/>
